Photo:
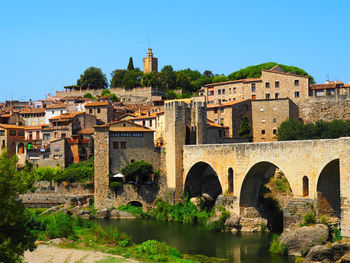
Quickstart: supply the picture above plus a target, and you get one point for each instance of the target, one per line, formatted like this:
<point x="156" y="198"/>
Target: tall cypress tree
<point x="131" y="64"/>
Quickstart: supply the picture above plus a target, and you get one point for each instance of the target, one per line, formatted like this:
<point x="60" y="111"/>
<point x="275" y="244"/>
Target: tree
<point x="131" y="64"/>
<point x="117" y="78"/>
<point x="112" y="96"/>
<point x="151" y="79"/>
<point x="244" y="131"/>
<point x="220" y="78"/>
<point x="168" y="77"/>
<point x="93" y="78"/>
<point x="208" y="73"/>
<point x="15" y="234"/>
<point x="138" y="171"/>
<point x="89" y="96"/>
<point x="132" y="79"/>
<point x="255" y="71"/>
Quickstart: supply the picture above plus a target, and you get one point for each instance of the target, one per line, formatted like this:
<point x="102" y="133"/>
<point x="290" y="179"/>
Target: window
<point x="63" y="135"/>
<point x="90" y="111"/>
<point x="115" y="145"/>
<point x="267" y="95"/>
<point x="56" y="157"/>
<point x="20" y="133"/>
<point x="254" y="97"/>
<point x="53" y="112"/>
<point x="143" y="123"/>
<point x="150" y="122"/>
<point x="222" y="109"/>
<point x="46" y="136"/>
<point x="274" y="131"/>
<point x="267" y="85"/>
<point x="296" y="94"/>
<point x="123" y="145"/>
<point x="223" y="91"/>
<point x="277" y="84"/>
<point x="277" y="95"/>
<point x="219" y="91"/>
<point x="216" y="111"/>
<point x="305" y="186"/>
<point x="274" y="120"/>
<point x="98" y="110"/>
<point x="229" y="90"/>
<point x="262" y="109"/>
<point x="216" y="121"/>
<point x="2" y="133"/>
<point x="296" y="82"/>
<point x="61" y="111"/>
<point x="222" y="121"/>
<point x="262" y="120"/>
<point x="253" y="87"/>
<point x="234" y="90"/>
<point x="262" y="131"/>
<point x="132" y="160"/>
<point x="12" y="133"/>
<point x="3" y="143"/>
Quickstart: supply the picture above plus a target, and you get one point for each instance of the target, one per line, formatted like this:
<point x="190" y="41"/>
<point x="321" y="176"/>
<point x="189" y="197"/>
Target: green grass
<point x="111" y="259"/>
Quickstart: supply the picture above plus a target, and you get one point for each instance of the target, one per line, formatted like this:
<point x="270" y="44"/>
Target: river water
<point x="194" y="239"/>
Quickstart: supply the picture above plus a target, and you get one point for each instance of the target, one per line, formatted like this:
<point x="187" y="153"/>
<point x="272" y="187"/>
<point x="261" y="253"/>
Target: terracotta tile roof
<point x="32" y="110"/>
<point x="284" y="73"/>
<point x="86" y="131"/>
<point x="37" y="127"/>
<point x="145" y="117"/>
<point x="130" y="129"/>
<point x="11" y="126"/>
<point x="227" y="104"/>
<point x="56" y="106"/>
<point x="66" y="116"/>
<point x="327" y="86"/>
<point x="97" y="103"/>
<point x="233" y="81"/>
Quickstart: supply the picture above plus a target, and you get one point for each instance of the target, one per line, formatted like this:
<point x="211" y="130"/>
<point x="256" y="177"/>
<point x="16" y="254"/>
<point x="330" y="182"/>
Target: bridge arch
<point x="254" y="198"/>
<point x="328" y="190"/>
<point x="202" y="179"/>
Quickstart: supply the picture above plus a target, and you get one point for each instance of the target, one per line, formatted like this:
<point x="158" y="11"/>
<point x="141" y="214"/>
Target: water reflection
<point x="239" y="248"/>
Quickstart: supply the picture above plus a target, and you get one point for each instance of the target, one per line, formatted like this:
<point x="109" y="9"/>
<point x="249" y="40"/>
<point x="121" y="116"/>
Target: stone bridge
<point x="311" y="167"/>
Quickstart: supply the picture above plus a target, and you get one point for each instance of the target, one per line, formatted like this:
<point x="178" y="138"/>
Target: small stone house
<point x="102" y="110"/>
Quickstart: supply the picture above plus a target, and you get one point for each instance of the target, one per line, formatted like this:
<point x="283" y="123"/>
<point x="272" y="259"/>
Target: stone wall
<point x="324" y="108"/>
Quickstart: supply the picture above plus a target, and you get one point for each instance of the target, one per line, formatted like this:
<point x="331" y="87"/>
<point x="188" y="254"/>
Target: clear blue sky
<point x="46" y="45"/>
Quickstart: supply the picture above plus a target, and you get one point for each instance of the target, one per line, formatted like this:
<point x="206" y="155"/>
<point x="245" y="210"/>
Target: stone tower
<point x="184" y="124"/>
<point x="150" y="63"/>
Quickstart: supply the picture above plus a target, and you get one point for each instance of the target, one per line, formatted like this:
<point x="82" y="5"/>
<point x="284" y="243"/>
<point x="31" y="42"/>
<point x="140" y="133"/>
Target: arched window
<point x="305" y="186"/>
<point x="230" y="181"/>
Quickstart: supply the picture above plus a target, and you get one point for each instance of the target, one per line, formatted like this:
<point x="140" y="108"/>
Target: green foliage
<point x="112" y="96"/>
<point x="15" y="234"/>
<point x="299" y="260"/>
<point x="125" y="243"/>
<point x="309" y="219"/>
<point x="137" y="171"/>
<point x="244" y="131"/>
<point x="255" y="71"/>
<point x="132" y="209"/>
<point x="324" y="220"/>
<point x="296" y="130"/>
<point x="158" y="251"/>
<point x="219" y="225"/>
<point x="89" y="96"/>
<point x="220" y="78"/>
<point x="276" y="247"/>
<point x="117" y="78"/>
<point x="93" y="78"/>
<point x="130" y="64"/>
<point x="282" y="184"/>
<point x="171" y="95"/>
<point x="60" y="225"/>
<point x="115" y="186"/>
<point x="336" y="235"/>
<point x="132" y="79"/>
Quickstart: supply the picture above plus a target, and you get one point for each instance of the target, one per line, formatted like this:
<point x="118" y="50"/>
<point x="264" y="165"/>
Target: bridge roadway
<point x="308" y="165"/>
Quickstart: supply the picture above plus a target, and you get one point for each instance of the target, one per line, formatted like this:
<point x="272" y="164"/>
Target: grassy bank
<point x="87" y="235"/>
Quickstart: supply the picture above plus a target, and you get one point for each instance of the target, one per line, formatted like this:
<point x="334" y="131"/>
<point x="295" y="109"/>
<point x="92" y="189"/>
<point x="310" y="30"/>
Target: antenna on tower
<point x="327" y="77"/>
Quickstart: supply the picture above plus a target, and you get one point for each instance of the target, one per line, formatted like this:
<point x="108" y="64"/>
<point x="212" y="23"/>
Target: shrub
<point x="309" y="219"/>
<point x="61" y="225"/>
<point x="138" y="171"/>
<point x="125" y="243"/>
<point x="336" y="234"/>
<point x="276" y="247"/>
<point x="219" y="225"/>
<point x="115" y="186"/>
<point x="158" y="251"/>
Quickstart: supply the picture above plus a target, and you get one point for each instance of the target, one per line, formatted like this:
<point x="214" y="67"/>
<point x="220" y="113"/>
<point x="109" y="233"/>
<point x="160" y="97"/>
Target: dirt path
<point x="52" y="254"/>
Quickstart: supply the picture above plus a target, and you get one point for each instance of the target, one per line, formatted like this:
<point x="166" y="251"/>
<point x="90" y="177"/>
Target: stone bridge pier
<point x="318" y="172"/>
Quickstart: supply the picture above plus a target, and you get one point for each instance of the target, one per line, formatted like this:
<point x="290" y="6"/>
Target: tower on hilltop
<point x="150" y="63"/>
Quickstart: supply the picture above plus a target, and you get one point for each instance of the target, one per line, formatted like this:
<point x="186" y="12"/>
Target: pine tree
<point x="131" y="64"/>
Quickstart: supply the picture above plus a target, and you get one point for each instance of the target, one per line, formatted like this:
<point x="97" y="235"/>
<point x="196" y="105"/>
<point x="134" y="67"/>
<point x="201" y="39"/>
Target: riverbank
<point x="50" y="253"/>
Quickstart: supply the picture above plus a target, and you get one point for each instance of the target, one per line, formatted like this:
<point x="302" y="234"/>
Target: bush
<point x="219" y="225"/>
<point x="276" y="247"/>
<point x="138" y="171"/>
<point x="336" y="234"/>
<point x="61" y="225"/>
<point x="309" y="219"/>
<point x="115" y="186"/>
<point x="158" y="251"/>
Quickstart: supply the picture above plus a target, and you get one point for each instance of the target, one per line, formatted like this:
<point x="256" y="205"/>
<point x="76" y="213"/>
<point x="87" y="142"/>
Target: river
<point x="194" y="239"/>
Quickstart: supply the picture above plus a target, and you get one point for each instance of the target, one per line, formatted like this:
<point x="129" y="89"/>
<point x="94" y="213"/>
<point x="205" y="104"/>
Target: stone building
<point x="54" y="110"/>
<point x="9" y="136"/>
<point x="267" y="116"/>
<point x="273" y="84"/>
<point x="330" y="89"/>
<point x="150" y="63"/>
<point x="102" y="110"/>
<point x="33" y="116"/>
<point x="230" y="115"/>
